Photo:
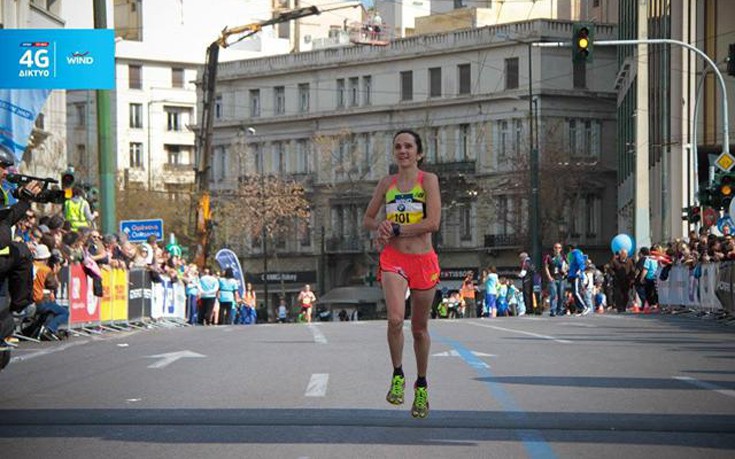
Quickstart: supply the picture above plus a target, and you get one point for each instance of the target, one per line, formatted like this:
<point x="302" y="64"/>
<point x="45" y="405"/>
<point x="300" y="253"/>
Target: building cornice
<point x="512" y="34"/>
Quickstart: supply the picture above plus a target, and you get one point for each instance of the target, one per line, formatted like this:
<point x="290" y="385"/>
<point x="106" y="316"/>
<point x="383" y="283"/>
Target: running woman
<point x="407" y="260"/>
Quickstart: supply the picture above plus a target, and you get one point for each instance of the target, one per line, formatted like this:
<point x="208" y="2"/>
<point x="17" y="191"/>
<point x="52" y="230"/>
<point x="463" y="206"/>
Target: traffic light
<point x="583" y="37"/>
<point x="67" y="182"/>
<point x="725" y="188"/>
<point x="692" y="214"/>
<point x="731" y="60"/>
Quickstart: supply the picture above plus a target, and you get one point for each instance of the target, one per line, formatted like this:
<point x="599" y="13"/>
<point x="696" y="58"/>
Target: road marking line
<point x="317" y="385"/>
<point x="47" y="351"/>
<point x="318" y="335"/>
<point x="512" y="330"/>
<point x="533" y="441"/>
<point x="706" y="385"/>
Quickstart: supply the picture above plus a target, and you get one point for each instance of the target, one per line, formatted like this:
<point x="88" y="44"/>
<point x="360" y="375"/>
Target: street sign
<point x="725" y="161"/>
<point x="709" y="217"/>
<point x="139" y="230"/>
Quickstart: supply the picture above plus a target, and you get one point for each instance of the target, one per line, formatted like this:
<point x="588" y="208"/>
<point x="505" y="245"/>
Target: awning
<point x="353" y="295"/>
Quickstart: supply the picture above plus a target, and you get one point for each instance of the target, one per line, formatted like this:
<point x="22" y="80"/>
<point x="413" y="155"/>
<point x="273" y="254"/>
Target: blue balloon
<point x="622" y="241"/>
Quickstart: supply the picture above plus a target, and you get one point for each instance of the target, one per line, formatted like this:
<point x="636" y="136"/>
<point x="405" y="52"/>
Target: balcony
<point x="346" y="244"/>
<point x="449" y="168"/>
<point x="503" y="240"/>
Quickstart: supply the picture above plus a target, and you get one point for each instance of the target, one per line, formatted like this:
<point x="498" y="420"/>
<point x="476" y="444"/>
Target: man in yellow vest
<point x="16" y="261"/>
<point x="77" y="211"/>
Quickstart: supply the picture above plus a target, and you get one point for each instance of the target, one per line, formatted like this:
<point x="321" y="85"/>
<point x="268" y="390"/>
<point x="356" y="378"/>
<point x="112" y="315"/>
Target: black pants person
<point x="225" y="313"/>
<point x="621" y="297"/>
<point x="17" y="268"/>
<point x="206" y="306"/>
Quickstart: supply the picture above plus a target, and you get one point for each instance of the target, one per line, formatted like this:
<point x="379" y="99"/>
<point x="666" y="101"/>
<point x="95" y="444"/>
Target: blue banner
<point x="139" y="230"/>
<point x="57" y="58"/>
<point x="18" y="112"/>
<point x="226" y="258"/>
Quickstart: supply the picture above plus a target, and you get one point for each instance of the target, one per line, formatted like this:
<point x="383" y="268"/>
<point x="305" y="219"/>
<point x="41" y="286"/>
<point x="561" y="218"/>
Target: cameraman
<point x="16" y="261"/>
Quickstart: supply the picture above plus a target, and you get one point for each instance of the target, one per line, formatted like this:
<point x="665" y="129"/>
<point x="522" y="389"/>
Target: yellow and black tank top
<point x="406" y="208"/>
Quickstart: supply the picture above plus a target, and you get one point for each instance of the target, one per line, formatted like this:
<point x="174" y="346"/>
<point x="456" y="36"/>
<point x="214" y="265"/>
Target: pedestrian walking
<point x="407" y="260"/>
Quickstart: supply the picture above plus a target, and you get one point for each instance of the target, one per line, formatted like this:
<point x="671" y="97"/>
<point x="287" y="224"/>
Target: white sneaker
<point x="585" y="311"/>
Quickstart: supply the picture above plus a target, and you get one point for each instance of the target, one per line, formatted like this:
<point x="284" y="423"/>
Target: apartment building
<point x="327" y="118"/>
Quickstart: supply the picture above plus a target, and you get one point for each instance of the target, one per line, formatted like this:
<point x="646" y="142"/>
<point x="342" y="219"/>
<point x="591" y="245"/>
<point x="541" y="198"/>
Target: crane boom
<point x="204" y="138"/>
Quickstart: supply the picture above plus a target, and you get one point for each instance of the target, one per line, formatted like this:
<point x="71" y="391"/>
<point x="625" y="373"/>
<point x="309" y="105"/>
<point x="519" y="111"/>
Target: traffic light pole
<point x="667" y="41"/>
<point x="104" y="141"/>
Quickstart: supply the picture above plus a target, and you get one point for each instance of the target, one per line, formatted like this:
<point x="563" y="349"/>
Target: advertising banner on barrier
<point x="106" y="300"/>
<point x="158" y="300"/>
<point x="119" y="295"/>
<point x="83" y="308"/>
<point x="708" y="287"/>
<point x="179" y="301"/>
<point x="139" y="295"/>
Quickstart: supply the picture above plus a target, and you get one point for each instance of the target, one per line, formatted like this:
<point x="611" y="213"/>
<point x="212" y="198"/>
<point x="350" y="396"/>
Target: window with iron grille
<point x="340" y="93"/>
<point x="303" y="97"/>
<point x="406" y="86"/>
<point x="367" y="90"/>
<point x="279" y="102"/>
<point x="511" y="73"/>
<point x="255" y="103"/>
<point x="465" y="78"/>
<point x="435" y="82"/>
<point x="354" y="87"/>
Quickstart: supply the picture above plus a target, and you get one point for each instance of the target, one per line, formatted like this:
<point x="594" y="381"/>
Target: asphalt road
<point x="599" y="386"/>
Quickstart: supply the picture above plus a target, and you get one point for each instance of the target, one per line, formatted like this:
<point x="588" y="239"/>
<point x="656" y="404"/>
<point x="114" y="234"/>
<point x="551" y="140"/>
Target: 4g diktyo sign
<point x="57" y="59"/>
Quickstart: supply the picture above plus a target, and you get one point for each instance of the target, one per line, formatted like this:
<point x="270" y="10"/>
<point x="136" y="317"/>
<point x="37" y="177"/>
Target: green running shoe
<point x="420" y="408"/>
<point x="395" y="394"/>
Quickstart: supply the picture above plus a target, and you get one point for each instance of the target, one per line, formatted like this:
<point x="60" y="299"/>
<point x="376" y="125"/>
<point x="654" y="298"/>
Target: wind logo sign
<point x="78" y="58"/>
<point x="57" y="59"/>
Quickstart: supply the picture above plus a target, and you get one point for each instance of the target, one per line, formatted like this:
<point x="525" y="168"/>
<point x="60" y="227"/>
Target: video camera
<point x="46" y="195"/>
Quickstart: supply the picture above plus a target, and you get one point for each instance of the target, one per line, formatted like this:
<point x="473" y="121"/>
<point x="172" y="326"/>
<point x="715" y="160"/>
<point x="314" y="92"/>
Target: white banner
<point x="169" y="299"/>
<point x="695" y="288"/>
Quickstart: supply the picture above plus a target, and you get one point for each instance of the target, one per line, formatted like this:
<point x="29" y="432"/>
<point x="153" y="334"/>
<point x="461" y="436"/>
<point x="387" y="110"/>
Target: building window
<point x="584" y="138"/>
<point x="136" y="154"/>
<point x="340" y="93"/>
<point x="406" y="86"/>
<point x="511" y="73"/>
<point x="595" y="3"/>
<point x="219" y="169"/>
<point x="255" y="103"/>
<point x="173" y="154"/>
<point x="435" y="82"/>
<point x="518" y="135"/>
<point x="218" y="106"/>
<point x="81" y="153"/>
<point x="135" y="80"/>
<point x="464" y="142"/>
<point x="177" y="78"/>
<point x="367" y="153"/>
<point x="367" y="90"/>
<point x="81" y="111"/>
<point x="503" y="138"/>
<point x="465" y="78"/>
<point x="279" y="100"/>
<point x="302" y="156"/>
<point x="579" y="70"/>
<point x="173" y="120"/>
<point x="432" y="152"/>
<point x="465" y="222"/>
<point x="136" y="116"/>
<point x="354" y="87"/>
<point x="303" y="97"/>
<point x="259" y="159"/>
<point x="304" y="233"/>
<point x="593" y="206"/>
<point x="279" y="157"/>
<point x="502" y="216"/>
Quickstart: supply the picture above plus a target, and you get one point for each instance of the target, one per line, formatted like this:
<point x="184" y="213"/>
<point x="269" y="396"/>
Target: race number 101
<point x="34" y="58"/>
